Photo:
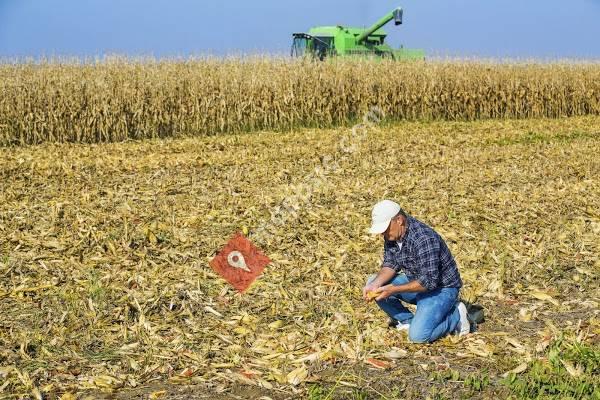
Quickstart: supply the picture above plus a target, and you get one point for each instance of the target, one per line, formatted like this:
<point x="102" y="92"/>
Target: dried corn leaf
<point x="297" y="376"/>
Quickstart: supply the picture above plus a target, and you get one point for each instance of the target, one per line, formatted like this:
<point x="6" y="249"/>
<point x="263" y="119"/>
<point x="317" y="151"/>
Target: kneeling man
<point x="417" y="269"/>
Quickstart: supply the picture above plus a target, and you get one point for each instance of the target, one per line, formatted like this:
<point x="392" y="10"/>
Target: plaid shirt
<point x="423" y="256"/>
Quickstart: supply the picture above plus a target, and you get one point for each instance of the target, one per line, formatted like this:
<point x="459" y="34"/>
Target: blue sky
<point x="487" y="28"/>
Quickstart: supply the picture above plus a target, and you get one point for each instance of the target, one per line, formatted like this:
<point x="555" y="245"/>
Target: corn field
<point x="117" y="100"/>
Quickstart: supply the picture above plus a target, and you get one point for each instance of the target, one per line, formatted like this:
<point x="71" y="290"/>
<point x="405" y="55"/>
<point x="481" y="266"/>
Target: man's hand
<point x="386" y="274"/>
<point x="370" y="288"/>
<point x="386" y="291"/>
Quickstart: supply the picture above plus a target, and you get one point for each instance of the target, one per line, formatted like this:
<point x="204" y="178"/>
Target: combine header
<point x="342" y="41"/>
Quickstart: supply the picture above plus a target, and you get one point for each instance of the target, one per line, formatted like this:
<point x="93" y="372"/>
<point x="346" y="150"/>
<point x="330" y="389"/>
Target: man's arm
<point x="388" y="290"/>
<point x="428" y="260"/>
<point x="388" y="270"/>
<point x="385" y="275"/>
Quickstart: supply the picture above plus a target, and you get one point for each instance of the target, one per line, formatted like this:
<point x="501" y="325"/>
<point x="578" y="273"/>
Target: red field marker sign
<point x="239" y="262"/>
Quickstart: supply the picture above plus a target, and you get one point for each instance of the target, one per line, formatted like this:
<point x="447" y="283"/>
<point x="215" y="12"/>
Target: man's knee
<point x="419" y="335"/>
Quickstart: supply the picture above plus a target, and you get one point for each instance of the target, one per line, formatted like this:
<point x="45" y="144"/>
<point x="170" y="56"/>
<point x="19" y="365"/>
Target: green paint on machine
<point x="341" y="41"/>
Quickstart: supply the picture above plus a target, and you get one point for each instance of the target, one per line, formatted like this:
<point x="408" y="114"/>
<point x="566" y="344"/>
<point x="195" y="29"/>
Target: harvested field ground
<point x="106" y="291"/>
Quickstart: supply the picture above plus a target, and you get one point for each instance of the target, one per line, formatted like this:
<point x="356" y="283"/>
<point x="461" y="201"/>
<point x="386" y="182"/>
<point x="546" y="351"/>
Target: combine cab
<point x="341" y="41"/>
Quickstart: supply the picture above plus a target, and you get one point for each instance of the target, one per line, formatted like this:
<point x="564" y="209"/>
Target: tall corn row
<point x="116" y="100"/>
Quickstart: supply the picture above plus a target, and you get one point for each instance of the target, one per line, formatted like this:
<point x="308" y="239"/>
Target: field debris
<point x="106" y="285"/>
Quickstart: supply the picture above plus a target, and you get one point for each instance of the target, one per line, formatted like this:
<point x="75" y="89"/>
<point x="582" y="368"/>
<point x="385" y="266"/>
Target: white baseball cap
<point x="382" y="215"/>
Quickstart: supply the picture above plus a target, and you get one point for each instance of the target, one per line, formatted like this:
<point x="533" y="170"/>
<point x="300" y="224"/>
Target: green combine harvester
<point x="341" y="41"/>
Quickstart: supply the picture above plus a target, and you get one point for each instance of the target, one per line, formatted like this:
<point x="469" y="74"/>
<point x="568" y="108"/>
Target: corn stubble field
<point x="104" y="248"/>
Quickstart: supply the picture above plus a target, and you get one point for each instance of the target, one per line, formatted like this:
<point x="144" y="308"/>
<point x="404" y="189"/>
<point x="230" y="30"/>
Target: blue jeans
<point x="436" y="316"/>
